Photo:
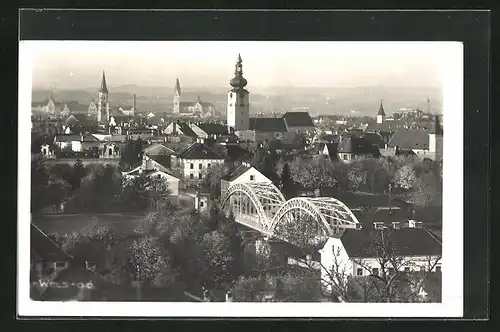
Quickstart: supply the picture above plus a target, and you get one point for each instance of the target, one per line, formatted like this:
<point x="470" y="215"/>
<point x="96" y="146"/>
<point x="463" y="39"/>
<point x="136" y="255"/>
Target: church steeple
<point x="381" y="109"/>
<point x="177" y="89"/>
<point x="103" y="88"/>
<point x="238" y="81"/>
<point x="380" y="113"/>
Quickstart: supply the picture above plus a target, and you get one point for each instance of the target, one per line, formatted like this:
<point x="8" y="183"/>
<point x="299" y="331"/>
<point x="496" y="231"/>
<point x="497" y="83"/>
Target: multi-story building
<point x="195" y="161"/>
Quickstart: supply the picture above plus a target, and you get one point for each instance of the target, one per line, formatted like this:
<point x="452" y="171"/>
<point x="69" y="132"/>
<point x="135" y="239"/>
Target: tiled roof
<point x="84" y="118"/>
<point x="298" y="119"/>
<point x="67" y="138"/>
<point x="77" y="108"/>
<point x="44" y="247"/>
<point x="236" y="173"/>
<point x="405" y="241"/>
<point x="184" y="127"/>
<point x="71" y="120"/>
<point x="199" y="151"/>
<point x="268" y="125"/>
<point x="158" y="149"/>
<point x="213" y="128"/>
<point x="163" y="160"/>
<point x="375" y="139"/>
<point x="387" y="125"/>
<point x="356" y="146"/>
<point x="410" y="139"/>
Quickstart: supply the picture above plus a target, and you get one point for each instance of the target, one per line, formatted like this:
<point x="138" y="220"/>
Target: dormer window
<point x="378" y="225"/>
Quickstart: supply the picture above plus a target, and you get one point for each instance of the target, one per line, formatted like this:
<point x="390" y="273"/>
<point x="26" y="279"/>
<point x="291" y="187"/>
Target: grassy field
<point x="69" y="223"/>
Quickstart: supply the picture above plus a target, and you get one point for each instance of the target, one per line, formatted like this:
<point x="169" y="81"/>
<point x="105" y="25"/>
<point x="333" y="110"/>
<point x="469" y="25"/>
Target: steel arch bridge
<point x="261" y="206"/>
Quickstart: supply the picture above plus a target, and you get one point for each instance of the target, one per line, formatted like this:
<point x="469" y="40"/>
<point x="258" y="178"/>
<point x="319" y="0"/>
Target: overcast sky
<point x="70" y="64"/>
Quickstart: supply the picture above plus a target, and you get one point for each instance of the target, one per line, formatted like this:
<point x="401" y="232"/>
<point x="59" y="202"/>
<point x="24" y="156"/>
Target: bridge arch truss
<point x="271" y="210"/>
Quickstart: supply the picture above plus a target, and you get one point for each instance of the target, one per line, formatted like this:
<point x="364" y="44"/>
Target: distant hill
<point x="342" y="101"/>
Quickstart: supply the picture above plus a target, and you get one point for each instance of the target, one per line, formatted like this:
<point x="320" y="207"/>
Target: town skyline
<point x="70" y="65"/>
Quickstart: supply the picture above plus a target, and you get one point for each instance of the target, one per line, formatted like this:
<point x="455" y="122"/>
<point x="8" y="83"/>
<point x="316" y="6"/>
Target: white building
<point x="353" y="253"/>
<point x="238" y="102"/>
<point x="242" y="174"/>
<point x="153" y="169"/>
<point x="194" y="162"/>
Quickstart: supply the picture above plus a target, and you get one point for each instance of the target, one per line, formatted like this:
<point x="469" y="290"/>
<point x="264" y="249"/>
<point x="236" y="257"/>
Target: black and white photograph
<point x="206" y="178"/>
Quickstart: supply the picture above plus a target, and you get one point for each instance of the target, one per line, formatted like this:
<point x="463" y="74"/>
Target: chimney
<point x="134" y="105"/>
<point x="414" y="224"/>
<point x="396" y="225"/>
<point x="378" y="225"/>
<point x="229" y="297"/>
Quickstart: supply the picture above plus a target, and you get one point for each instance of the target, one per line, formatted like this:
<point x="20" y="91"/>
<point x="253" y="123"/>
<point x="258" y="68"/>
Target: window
<point x="208" y="165"/>
<point x="344" y="156"/>
<point x="159" y="176"/>
<point x="191" y="166"/>
<point x="230" y="104"/>
<point x="438" y="269"/>
<point x="359" y="271"/>
<point x="200" y="166"/>
<point x="200" y="176"/>
<point x="191" y="176"/>
<point x="390" y="270"/>
<point x="375" y="271"/>
<point x="201" y="204"/>
<point x="252" y="177"/>
<point x="407" y="269"/>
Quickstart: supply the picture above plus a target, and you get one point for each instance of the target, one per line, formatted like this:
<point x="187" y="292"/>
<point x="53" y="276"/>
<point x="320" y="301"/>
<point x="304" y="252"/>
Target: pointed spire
<point x="239" y="58"/>
<point x="381" y="109"/>
<point x="177" y="86"/>
<point x="103" y="88"/>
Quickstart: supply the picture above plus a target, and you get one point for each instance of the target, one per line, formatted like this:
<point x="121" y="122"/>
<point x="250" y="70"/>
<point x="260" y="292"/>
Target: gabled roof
<point x="332" y="148"/>
<point x="77" y="107"/>
<point x="268" y="125"/>
<point x="44" y="247"/>
<point x="186" y="130"/>
<point x="356" y="145"/>
<point x="199" y="151"/>
<point x="238" y="171"/>
<point x="158" y="149"/>
<point x="163" y="160"/>
<point x="405" y="241"/>
<point x="213" y="128"/>
<point x="410" y="139"/>
<point x="298" y="119"/>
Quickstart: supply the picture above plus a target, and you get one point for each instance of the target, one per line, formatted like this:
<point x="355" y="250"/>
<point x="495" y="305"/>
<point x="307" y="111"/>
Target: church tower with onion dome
<point x="238" y="103"/>
<point x="103" y="102"/>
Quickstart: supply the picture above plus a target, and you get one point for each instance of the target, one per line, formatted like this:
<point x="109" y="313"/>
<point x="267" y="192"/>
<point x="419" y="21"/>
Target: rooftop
<point x="404" y="242"/>
<point x="268" y="125"/>
<point x="199" y="151"/>
<point x="410" y="139"/>
<point x="298" y="119"/>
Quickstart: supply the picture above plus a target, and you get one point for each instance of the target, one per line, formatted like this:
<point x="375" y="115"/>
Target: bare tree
<point x="388" y="281"/>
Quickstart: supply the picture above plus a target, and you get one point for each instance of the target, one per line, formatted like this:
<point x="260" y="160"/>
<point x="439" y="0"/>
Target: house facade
<point x="353" y="254"/>
<point x="153" y="169"/>
<point x="242" y="174"/>
<point x="194" y="162"/>
<point x="353" y="148"/>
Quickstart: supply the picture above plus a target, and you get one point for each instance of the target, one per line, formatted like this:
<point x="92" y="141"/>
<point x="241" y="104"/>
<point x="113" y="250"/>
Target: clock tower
<point x="238" y="103"/>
